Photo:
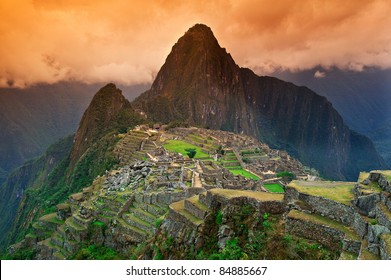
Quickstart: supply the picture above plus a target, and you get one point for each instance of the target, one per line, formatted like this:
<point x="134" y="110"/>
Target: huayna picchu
<point x="213" y="162"/>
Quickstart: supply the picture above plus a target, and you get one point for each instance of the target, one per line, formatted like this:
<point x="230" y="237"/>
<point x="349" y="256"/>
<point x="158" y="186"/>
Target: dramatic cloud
<point x="127" y="41"/>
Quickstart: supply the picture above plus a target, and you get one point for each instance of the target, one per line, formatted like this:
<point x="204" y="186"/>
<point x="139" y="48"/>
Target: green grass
<point x="180" y="146"/>
<point x="338" y="191"/>
<point x="277" y="188"/>
<point x="244" y="173"/>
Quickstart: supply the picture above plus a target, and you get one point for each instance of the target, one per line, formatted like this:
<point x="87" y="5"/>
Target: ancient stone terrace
<point x="356" y="215"/>
<point x="186" y="218"/>
<point x="135" y="145"/>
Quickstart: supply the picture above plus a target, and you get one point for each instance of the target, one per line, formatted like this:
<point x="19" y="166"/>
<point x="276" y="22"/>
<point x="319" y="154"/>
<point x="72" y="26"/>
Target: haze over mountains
<point x="33" y="118"/>
<point x="362" y="98"/>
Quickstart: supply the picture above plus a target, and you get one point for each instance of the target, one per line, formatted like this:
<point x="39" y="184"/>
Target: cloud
<point x="127" y="41"/>
<point x="319" y="74"/>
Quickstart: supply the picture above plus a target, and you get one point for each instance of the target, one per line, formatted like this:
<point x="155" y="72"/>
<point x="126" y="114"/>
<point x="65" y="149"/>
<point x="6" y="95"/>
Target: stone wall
<point x="215" y="201"/>
<point x="383" y="215"/>
<point x="384" y="183"/>
<point x="329" y="237"/>
<point x="334" y="210"/>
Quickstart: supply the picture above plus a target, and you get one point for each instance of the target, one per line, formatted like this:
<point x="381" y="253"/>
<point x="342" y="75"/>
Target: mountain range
<point x="199" y="85"/>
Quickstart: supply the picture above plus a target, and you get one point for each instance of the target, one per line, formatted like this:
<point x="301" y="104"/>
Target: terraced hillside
<point x="163" y="205"/>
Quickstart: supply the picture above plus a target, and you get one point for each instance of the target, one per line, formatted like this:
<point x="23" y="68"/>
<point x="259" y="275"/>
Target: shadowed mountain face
<point x="200" y="84"/>
<point x="362" y="98"/>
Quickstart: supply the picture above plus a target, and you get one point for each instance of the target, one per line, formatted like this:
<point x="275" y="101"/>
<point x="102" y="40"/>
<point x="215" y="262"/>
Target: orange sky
<point x="126" y="41"/>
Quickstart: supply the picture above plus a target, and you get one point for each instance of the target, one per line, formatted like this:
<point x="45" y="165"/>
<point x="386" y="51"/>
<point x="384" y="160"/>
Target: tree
<point x="191" y="152"/>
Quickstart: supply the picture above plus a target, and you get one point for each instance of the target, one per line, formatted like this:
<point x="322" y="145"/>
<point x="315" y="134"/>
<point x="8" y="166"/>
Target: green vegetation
<point x="42" y="196"/>
<point x="276" y="188"/>
<point x="255" y="235"/>
<point x="158" y="222"/>
<point x="231" y="251"/>
<point x="24" y="254"/>
<point x="99" y="224"/>
<point x="180" y="146"/>
<point x="244" y="173"/>
<point x="219" y="218"/>
<point x="338" y="191"/>
<point x="286" y="175"/>
<point x="93" y="252"/>
<point x="191" y="152"/>
<point x="260" y="238"/>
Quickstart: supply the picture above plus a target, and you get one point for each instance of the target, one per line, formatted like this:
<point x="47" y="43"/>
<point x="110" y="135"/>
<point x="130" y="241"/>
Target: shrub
<point x="219" y="218"/>
<point x="191" y="152"/>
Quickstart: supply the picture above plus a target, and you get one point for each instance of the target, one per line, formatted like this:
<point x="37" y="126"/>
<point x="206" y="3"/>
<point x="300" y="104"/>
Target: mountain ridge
<point x="201" y="84"/>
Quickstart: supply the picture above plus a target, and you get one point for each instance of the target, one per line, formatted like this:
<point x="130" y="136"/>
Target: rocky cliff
<point x="200" y="84"/>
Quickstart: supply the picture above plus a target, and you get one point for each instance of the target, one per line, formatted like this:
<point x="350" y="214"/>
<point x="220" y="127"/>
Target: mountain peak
<point x="195" y="58"/>
<point x="104" y="108"/>
<point x="198" y="38"/>
<point x="200" y="29"/>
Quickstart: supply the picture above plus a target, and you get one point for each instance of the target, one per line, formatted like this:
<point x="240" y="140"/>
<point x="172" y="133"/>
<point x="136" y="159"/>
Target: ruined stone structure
<point x="356" y="215"/>
<point x="157" y="191"/>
